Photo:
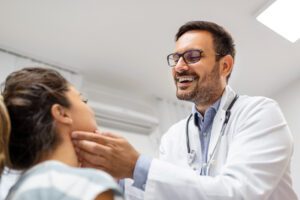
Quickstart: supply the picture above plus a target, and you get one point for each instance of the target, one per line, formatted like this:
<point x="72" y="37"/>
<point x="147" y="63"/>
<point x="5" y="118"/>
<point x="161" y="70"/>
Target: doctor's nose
<point x="181" y="66"/>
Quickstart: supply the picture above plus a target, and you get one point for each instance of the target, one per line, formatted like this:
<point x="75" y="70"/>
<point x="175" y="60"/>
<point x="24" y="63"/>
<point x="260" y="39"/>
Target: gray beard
<point x="205" y="94"/>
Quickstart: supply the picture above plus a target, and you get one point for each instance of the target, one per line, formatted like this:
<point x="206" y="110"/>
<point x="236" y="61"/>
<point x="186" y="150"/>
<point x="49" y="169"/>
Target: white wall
<point x="10" y="63"/>
<point x="289" y="100"/>
<point x="6" y="65"/>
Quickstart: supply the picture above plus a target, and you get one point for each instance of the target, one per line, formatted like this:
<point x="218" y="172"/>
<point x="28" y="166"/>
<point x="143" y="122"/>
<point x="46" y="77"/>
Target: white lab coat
<point x="251" y="160"/>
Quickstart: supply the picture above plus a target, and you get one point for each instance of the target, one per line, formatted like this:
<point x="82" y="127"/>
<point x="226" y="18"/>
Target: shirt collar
<point x="198" y="116"/>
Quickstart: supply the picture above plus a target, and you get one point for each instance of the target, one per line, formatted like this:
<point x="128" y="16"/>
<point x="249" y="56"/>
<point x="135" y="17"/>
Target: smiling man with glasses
<point x="230" y="147"/>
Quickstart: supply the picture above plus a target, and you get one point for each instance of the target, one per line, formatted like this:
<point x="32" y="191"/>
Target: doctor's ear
<point x="226" y="65"/>
<point x="61" y="114"/>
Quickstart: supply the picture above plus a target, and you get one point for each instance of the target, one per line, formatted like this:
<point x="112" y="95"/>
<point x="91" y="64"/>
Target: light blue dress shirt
<point x="204" y="124"/>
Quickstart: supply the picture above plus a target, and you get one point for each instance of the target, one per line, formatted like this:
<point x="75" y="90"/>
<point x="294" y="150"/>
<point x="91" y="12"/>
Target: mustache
<point x="185" y="73"/>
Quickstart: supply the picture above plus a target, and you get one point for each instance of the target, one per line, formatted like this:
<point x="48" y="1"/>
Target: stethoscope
<point x="192" y="153"/>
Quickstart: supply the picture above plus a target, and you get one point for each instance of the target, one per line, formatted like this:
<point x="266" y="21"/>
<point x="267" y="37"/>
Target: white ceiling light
<point x="283" y="17"/>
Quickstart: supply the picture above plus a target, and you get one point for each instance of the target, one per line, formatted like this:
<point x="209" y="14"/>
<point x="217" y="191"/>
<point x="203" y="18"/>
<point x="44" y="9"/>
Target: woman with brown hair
<point x="39" y="111"/>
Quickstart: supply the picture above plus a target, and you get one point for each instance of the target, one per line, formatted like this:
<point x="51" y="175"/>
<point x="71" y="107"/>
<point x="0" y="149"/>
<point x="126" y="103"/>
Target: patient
<point x="39" y="111"/>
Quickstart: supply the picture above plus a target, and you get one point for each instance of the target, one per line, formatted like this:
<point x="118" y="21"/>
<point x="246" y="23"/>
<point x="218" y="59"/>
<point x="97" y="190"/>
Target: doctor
<point x="230" y="147"/>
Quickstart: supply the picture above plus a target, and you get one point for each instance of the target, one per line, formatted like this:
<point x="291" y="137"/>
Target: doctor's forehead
<point x="194" y="40"/>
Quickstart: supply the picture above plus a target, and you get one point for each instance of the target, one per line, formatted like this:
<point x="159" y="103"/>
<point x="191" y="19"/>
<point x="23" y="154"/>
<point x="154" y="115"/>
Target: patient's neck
<point x="64" y="151"/>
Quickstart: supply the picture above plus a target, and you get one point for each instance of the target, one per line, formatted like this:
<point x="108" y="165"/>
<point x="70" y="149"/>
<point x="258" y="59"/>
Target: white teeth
<point x="182" y="79"/>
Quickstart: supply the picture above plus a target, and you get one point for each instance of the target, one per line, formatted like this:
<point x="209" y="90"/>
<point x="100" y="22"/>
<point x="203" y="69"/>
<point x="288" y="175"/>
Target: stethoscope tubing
<point x="227" y="117"/>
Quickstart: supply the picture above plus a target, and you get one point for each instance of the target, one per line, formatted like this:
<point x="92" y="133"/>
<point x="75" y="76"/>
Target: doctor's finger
<point x="95" y="137"/>
<point x="86" y="164"/>
<point x="111" y="135"/>
<point x="93" y="159"/>
<point x="92" y="148"/>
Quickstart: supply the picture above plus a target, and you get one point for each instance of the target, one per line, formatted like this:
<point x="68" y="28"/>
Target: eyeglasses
<point x="189" y="57"/>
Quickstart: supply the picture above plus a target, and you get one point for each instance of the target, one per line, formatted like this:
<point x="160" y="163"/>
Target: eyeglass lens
<point x="189" y="57"/>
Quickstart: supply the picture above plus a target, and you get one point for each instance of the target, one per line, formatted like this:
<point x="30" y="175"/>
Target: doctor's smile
<point x="184" y="81"/>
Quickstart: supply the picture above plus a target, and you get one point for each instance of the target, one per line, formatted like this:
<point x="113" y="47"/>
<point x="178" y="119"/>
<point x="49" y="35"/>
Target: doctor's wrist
<point x="133" y="162"/>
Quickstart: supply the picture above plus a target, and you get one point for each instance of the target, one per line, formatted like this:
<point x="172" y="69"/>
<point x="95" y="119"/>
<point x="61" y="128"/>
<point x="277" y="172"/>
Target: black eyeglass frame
<point x="182" y="55"/>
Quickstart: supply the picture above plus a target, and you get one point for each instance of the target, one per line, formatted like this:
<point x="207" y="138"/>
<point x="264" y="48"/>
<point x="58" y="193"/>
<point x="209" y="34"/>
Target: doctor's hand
<point x="106" y="151"/>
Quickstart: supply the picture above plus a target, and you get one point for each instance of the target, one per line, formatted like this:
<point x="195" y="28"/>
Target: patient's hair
<point x="4" y="132"/>
<point x="28" y="96"/>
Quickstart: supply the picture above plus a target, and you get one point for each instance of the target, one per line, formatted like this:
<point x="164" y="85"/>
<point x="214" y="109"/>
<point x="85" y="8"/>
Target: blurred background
<point x="115" y="53"/>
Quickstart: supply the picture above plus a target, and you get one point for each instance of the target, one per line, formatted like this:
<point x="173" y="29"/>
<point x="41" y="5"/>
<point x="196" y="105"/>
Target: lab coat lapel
<point x="226" y="99"/>
<point x="216" y="131"/>
<point x="195" y="144"/>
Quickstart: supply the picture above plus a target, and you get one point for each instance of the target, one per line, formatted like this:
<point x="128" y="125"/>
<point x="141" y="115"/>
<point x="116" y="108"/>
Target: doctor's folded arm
<point x="231" y="146"/>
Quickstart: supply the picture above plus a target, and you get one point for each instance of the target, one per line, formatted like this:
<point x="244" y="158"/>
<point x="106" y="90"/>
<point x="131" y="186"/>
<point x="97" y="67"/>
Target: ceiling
<point x="123" y="44"/>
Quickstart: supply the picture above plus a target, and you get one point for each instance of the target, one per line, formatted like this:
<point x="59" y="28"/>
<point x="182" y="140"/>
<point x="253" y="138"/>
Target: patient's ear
<point x="61" y="114"/>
